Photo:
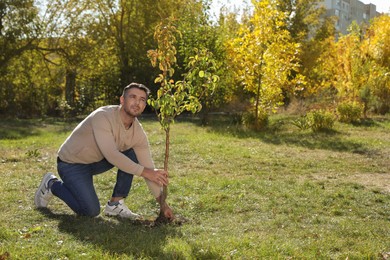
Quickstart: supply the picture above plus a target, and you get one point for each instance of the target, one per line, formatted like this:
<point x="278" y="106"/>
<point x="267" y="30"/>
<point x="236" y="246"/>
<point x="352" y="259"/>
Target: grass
<point x="279" y="194"/>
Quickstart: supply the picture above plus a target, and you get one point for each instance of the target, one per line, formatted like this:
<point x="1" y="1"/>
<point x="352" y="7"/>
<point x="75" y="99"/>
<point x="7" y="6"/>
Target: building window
<point x="337" y="12"/>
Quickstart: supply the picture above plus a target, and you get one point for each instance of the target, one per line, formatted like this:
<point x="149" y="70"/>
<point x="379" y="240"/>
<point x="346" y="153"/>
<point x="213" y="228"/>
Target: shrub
<point x="350" y="112"/>
<point x="236" y="118"/>
<point x="249" y="120"/>
<point x="301" y="122"/>
<point x="320" y="120"/>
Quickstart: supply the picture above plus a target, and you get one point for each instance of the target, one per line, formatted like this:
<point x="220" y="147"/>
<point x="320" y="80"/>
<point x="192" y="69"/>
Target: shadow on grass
<point x="366" y="123"/>
<point x="326" y="141"/>
<point x="115" y="236"/>
<point x="21" y="128"/>
<point x="138" y="239"/>
<point x="17" y="129"/>
<point x="280" y="133"/>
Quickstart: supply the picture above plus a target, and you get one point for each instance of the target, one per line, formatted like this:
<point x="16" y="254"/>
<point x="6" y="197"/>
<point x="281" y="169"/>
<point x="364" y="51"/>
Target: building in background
<point x="347" y="11"/>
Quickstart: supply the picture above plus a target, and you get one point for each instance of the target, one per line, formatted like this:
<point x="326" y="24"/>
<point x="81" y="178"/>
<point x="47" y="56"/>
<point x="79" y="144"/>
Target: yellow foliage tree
<point x="376" y="48"/>
<point x="358" y="68"/>
<point x="264" y="57"/>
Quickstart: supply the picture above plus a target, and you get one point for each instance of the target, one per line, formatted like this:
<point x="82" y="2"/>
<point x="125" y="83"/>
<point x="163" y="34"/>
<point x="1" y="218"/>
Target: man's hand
<point x="161" y="178"/>
<point x="156" y="175"/>
<point x="165" y="209"/>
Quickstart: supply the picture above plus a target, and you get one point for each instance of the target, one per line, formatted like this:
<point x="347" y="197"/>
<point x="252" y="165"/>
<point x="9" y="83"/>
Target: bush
<point x="301" y="122"/>
<point x="350" y="112"/>
<point x="249" y="120"/>
<point x="320" y="120"/>
<point x="236" y="118"/>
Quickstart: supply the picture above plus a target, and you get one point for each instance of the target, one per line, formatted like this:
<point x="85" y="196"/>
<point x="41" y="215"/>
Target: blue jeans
<point x="77" y="190"/>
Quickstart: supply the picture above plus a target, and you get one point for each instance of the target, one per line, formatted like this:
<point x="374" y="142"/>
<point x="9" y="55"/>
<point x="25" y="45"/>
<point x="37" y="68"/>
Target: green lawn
<point x="279" y="194"/>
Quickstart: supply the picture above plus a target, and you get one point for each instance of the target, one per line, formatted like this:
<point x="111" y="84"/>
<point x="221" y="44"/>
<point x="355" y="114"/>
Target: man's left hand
<point x="167" y="211"/>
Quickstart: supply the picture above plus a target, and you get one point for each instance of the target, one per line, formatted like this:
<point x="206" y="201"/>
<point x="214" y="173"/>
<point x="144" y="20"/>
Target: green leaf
<point x="201" y="74"/>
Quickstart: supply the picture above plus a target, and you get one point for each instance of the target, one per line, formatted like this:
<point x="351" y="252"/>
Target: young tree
<point x="264" y="56"/>
<point x="173" y="98"/>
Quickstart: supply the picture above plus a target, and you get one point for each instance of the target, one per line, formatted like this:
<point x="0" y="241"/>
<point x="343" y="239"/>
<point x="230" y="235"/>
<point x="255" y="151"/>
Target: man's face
<point x="134" y="102"/>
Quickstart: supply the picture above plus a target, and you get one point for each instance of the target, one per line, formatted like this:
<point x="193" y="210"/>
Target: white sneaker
<point x="120" y="210"/>
<point x="43" y="195"/>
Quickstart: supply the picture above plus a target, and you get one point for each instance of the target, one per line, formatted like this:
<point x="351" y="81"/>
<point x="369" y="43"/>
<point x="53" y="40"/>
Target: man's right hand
<point x="156" y="175"/>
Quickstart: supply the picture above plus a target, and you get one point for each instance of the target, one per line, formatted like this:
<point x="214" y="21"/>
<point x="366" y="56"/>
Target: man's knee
<point x="92" y="211"/>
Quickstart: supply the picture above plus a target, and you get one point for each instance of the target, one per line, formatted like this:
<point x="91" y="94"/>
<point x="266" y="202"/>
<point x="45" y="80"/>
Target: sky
<point x="382" y="6"/>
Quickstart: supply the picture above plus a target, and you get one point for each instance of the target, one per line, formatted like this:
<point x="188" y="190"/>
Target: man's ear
<point x="121" y="100"/>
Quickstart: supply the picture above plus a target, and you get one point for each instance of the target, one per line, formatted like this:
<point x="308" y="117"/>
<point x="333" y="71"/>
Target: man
<point x="110" y="136"/>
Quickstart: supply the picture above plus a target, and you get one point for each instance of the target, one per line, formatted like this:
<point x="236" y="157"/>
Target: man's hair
<point x="136" y="85"/>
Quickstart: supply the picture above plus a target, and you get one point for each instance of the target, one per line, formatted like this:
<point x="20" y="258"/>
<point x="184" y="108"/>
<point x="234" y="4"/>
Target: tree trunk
<point x="70" y="86"/>
<point x="164" y="192"/>
<point x="161" y="219"/>
<point x="257" y="101"/>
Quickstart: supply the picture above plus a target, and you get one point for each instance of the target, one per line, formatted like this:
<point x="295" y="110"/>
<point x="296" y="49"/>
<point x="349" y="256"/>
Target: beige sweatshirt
<point x="103" y="135"/>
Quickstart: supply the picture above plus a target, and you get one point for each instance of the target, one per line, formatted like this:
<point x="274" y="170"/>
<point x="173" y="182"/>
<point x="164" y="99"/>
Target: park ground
<point x="281" y="193"/>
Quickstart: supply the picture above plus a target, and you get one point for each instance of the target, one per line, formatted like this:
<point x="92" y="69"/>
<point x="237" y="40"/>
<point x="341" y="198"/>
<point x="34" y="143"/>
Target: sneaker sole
<point x="111" y="214"/>
<point x="119" y="216"/>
